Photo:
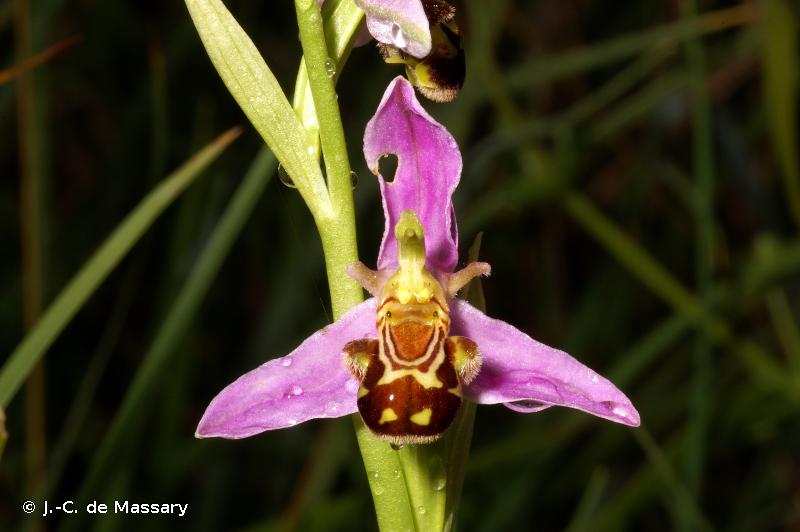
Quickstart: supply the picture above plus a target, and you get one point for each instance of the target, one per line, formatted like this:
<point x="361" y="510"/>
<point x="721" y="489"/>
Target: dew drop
<point x="620" y="411"/>
<point x="396" y="474"/>
<point x="398" y="36"/>
<point x="283" y="175"/>
<point x="330" y="67"/>
<point x="421" y="510"/>
<point x="292" y="421"/>
<point x="311" y="151"/>
<point x="395" y="446"/>
<point x="286" y="362"/>
<point x="375" y="482"/>
<point x="296" y="390"/>
<point x="353" y="179"/>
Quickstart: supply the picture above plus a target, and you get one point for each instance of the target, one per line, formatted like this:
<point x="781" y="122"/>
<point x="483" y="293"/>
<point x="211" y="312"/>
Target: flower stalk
<point x="337" y="228"/>
<point x="386" y="469"/>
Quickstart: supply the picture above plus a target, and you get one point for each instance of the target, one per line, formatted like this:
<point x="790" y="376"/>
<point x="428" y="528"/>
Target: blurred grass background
<point x="632" y="164"/>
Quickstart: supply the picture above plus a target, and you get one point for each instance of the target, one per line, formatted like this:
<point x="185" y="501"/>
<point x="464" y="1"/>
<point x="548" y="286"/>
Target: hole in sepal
<point x="387" y="166"/>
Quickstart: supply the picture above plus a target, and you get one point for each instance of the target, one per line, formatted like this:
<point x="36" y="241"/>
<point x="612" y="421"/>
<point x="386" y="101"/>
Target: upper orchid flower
<point x="405" y="357"/>
<point x="423" y="36"/>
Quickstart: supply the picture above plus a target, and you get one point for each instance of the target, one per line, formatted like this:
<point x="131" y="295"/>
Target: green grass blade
<point x="86" y="281"/>
<point x="178" y="319"/>
<point x="696" y="440"/>
<point x="779" y="59"/>
<point x="538" y="70"/>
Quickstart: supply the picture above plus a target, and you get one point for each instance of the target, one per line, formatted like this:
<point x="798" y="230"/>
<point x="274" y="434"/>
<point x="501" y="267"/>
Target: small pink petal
<point x="428" y="170"/>
<point x="529" y="376"/>
<point x="399" y="23"/>
<point x="310" y="382"/>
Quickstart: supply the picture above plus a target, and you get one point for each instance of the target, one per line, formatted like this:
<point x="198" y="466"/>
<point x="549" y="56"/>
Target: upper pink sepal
<point x="310" y="382"/>
<point x="428" y="170"/>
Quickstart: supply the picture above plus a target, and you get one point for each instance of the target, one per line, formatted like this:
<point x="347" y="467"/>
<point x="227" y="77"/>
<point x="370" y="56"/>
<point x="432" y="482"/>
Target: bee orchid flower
<point x="405" y="358"/>
<point x="423" y="36"/>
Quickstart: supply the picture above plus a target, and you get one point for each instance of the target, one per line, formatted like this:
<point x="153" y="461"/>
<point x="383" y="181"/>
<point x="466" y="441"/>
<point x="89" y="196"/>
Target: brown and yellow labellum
<point x="412" y="375"/>
<point x="440" y="75"/>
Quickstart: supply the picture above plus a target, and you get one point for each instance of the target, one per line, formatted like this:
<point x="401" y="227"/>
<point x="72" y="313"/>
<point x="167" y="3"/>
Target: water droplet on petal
<point x="286" y="362"/>
<point x="374" y="475"/>
<point x="296" y="390"/>
<point x="398" y="36"/>
<point x="292" y="421"/>
<point x="283" y="175"/>
<point x="353" y="179"/>
<point x="621" y="411"/>
<point x="421" y="510"/>
<point x="311" y="150"/>
<point x="395" y="446"/>
<point x="396" y="474"/>
<point x="330" y="67"/>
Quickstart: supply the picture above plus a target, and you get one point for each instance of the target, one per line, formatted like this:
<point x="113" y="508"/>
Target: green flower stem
<point x="408" y="486"/>
<point x="340" y="27"/>
<point x="384" y="469"/>
<point x="337" y="229"/>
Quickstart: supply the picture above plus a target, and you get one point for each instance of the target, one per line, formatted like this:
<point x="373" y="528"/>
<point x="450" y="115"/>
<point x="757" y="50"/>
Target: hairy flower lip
<point x="313" y="382"/>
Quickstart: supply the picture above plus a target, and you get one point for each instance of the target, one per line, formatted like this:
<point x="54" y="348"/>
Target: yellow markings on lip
<point x="423" y="417"/>
<point x="387" y="416"/>
<point x="362" y="391"/>
<point x="425" y="379"/>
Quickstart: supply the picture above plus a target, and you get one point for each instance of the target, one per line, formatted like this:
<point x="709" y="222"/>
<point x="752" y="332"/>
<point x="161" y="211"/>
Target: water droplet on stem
<point x="283" y="175"/>
<point x="330" y="67"/>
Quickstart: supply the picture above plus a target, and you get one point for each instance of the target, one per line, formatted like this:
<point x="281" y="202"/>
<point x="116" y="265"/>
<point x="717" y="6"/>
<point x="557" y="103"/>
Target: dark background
<point x="587" y="130"/>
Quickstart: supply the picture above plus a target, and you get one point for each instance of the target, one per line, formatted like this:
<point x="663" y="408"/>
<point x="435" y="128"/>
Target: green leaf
<point x="779" y="58"/>
<point x="86" y="281"/>
<point x="258" y="93"/>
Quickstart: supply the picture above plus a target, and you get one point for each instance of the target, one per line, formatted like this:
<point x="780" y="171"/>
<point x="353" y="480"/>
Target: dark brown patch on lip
<point x="407" y="397"/>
